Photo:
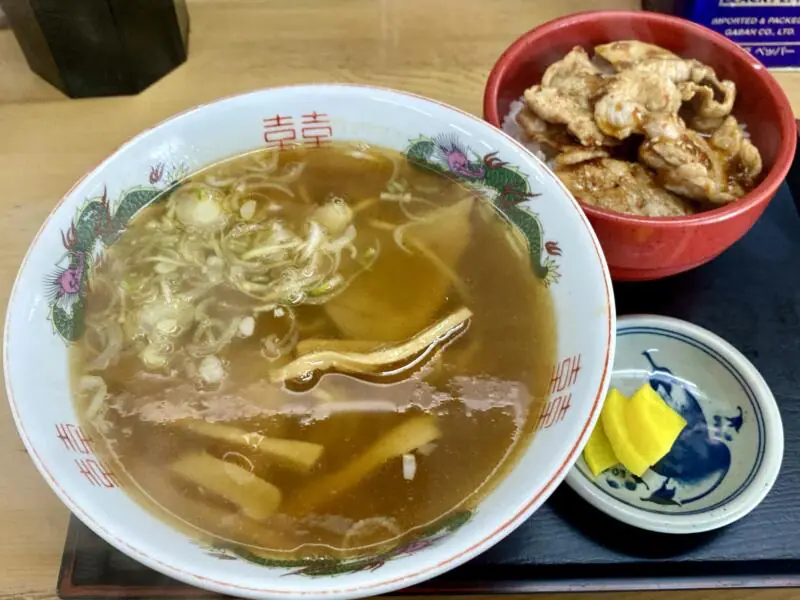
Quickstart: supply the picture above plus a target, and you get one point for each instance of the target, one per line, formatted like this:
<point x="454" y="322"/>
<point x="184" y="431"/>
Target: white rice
<point x="512" y="128"/>
<point x="743" y="129"/>
<point x="510" y="125"/>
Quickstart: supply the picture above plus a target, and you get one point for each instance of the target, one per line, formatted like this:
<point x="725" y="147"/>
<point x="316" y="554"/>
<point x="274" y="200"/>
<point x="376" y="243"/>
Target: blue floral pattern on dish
<point x="700" y="458"/>
<point x="703" y="459"/>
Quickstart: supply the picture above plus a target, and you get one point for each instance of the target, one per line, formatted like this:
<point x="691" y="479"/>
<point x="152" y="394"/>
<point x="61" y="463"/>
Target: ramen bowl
<point x="45" y="317"/>
<point x="646" y="248"/>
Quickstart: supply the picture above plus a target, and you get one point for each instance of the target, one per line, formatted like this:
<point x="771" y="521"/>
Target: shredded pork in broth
<point x="315" y="351"/>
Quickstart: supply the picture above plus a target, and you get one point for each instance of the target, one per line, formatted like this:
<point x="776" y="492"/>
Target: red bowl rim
<point x="762" y="193"/>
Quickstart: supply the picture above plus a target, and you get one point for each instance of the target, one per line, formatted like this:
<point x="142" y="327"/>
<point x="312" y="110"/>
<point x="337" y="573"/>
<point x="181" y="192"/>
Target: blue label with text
<point x="768" y="29"/>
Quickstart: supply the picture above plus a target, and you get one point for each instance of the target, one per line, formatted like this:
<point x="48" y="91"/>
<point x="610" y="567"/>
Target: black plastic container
<point x="100" y="47"/>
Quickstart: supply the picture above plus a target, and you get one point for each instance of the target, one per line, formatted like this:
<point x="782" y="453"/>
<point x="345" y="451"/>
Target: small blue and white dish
<point x="727" y="458"/>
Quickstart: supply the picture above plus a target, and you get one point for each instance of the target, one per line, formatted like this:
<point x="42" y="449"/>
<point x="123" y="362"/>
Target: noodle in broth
<point x="313" y="352"/>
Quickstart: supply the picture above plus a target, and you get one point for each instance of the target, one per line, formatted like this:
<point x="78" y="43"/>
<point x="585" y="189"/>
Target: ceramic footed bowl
<point x="44" y="317"/>
<point x="728" y="456"/>
<point x="644" y="248"/>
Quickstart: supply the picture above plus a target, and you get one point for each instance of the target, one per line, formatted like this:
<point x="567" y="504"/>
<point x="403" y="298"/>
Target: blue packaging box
<point x="768" y="29"/>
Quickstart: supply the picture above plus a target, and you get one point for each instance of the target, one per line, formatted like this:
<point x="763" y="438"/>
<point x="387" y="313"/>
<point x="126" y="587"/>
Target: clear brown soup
<point x="198" y="315"/>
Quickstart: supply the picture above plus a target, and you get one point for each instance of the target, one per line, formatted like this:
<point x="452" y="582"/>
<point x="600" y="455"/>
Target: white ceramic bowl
<point x="564" y="250"/>
<point x="728" y="457"/>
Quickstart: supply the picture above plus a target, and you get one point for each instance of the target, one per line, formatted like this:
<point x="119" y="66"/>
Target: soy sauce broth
<point x="484" y="386"/>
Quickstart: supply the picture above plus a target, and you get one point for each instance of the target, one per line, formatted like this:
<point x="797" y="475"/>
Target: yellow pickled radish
<point x="615" y="423"/>
<point x="599" y="454"/>
<point x="653" y="426"/>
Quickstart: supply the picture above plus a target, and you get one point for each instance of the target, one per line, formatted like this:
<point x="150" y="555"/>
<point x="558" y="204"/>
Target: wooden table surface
<point x="439" y="48"/>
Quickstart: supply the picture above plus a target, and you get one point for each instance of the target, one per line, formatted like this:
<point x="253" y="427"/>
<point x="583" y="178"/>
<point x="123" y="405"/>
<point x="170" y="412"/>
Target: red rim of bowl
<point x="760" y="194"/>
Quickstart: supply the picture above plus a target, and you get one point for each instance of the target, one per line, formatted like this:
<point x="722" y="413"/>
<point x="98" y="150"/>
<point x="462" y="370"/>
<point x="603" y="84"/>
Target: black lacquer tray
<point x="750" y="296"/>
